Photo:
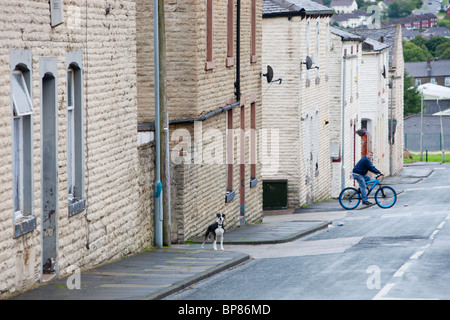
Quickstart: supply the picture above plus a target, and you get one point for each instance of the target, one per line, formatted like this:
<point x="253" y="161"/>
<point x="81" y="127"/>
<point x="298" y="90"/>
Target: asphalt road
<point x="429" y="6"/>
<point x="397" y="253"/>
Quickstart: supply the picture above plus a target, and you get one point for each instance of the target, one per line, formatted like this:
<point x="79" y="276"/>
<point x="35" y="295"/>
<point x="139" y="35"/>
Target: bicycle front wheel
<point x="385" y="197"/>
<point x="349" y="198"/>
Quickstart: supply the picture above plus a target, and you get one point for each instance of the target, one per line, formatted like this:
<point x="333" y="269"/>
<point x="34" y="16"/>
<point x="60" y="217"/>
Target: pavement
<point x="160" y="272"/>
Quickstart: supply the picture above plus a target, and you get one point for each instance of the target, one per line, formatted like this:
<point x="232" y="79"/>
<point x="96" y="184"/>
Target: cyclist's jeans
<point x="362" y="184"/>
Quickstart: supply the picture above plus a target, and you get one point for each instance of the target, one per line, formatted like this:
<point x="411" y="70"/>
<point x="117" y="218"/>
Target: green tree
<point x="394" y="10"/>
<point x="412" y="53"/>
<point x="411" y="96"/>
<point x="445" y="54"/>
<point x="441" y="48"/>
<point x="435" y="42"/>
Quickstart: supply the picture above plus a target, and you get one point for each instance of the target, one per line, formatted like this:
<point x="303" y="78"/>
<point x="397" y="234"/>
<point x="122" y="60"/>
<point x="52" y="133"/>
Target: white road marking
<point x="417" y="254"/>
<point x="402" y="270"/>
<point x="434" y="234"/>
<point x="384" y="291"/>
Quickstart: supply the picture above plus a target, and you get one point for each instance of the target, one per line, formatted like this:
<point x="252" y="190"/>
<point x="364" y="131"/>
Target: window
<point x="209" y="35"/>
<point x="230" y="34"/>
<point x="70" y="134"/>
<point x="327" y="49"/>
<point x="254" y="57"/>
<point x="75" y="133"/>
<point x="418" y="81"/>
<point x="316" y="166"/>
<point x="433" y="80"/>
<point x="230" y="156"/>
<point x="56" y="12"/>
<point x="308" y="34"/>
<point x="307" y="145"/>
<point x="447" y="81"/>
<point x="22" y="140"/>
<point x="317" y="57"/>
<point x="253" y="179"/>
<point x="21" y="97"/>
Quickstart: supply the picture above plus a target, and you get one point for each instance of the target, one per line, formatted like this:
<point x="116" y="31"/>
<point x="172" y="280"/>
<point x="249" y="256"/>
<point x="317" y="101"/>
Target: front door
<point x="49" y="174"/>
<point x="242" y="168"/>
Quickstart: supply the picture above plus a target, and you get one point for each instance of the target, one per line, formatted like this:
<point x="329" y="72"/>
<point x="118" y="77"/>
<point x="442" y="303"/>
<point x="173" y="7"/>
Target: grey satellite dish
<point x="308" y="63"/>
<point x="269" y="74"/>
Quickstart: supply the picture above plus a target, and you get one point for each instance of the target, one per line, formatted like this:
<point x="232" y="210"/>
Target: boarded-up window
<point x="56" y="12"/>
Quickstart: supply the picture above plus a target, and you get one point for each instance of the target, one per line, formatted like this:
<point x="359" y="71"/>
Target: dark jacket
<point x="365" y="165"/>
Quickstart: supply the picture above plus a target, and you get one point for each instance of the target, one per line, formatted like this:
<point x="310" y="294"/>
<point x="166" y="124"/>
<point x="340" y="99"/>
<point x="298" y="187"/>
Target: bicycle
<point x="385" y="196"/>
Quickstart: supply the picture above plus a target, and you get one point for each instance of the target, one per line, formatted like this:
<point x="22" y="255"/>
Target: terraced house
<point x="296" y="45"/>
<point x="346" y="95"/>
<point x="69" y="161"/>
<point x="213" y="95"/>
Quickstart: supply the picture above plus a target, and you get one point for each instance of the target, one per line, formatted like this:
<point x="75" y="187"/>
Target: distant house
<point x="348" y="20"/>
<point x="436" y="32"/>
<point x="409" y="34"/>
<point x="343" y="6"/>
<point x="414" y="22"/>
<point x="355" y="19"/>
<point x="431" y="71"/>
<point x="424" y="22"/>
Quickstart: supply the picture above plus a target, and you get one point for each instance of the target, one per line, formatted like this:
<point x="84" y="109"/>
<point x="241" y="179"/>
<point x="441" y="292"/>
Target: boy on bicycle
<point x="360" y="174"/>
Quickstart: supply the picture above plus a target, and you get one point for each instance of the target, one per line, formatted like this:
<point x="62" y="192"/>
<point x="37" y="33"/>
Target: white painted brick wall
<point x="285" y="107"/>
<point x="115" y="223"/>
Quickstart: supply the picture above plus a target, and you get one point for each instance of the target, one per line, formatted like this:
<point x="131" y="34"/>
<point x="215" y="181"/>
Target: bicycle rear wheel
<point x="385" y="197"/>
<point x="349" y="198"/>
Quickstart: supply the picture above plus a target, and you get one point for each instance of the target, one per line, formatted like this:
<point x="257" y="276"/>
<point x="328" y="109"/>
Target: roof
<point x="433" y="91"/>
<point x="409" y="33"/>
<point x="419" y="69"/>
<point x="387" y="34"/>
<point x="341" y="3"/>
<point x="278" y="8"/>
<point x="437" y="31"/>
<point x="373" y="45"/>
<point x="346" y="36"/>
<point x="369" y="44"/>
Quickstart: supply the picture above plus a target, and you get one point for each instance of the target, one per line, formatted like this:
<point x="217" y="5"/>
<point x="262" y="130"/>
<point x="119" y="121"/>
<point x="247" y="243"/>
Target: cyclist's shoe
<point x="367" y="203"/>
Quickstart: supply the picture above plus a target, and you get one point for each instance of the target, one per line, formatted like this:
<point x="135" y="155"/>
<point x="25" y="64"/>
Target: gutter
<point x="150" y="126"/>
<point x="237" y="84"/>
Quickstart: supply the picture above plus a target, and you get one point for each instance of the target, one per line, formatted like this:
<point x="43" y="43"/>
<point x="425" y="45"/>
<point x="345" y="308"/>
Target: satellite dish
<point x="308" y="63"/>
<point x="269" y="74"/>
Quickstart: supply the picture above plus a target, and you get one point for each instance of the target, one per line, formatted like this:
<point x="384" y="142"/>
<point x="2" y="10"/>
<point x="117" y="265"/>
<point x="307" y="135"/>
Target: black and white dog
<point x="217" y="230"/>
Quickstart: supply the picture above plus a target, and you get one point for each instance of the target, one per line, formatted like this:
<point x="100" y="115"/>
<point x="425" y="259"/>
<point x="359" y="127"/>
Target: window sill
<point x="229" y="196"/>
<point x="229" y="62"/>
<point x="24" y="225"/>
<point x="76" y="206"/>
<point x="209" y="65"/>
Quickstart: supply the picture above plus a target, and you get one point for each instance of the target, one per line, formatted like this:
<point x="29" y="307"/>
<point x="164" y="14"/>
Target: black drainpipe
<point x="237" y="84"/>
